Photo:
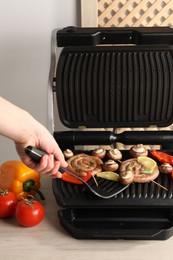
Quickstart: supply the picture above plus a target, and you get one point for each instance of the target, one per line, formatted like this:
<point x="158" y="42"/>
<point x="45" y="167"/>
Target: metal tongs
<point x="36" y="154"/>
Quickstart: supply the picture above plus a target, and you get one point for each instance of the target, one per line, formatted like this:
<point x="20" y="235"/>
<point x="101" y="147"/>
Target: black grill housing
<point x="102" y="85"/>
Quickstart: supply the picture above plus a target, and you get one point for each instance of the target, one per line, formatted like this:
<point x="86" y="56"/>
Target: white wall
<point x="25" y="34"/>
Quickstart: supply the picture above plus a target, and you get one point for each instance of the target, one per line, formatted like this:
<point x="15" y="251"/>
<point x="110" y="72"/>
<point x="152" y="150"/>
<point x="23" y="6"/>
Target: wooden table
<point x="49" y="240"/>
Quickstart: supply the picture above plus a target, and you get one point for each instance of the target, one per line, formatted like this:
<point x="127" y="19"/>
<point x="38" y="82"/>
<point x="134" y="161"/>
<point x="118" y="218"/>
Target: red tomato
<point x="8" y="203"/>
<point x="29" y="212"/>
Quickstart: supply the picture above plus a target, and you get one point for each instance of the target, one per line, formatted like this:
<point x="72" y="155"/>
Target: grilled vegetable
<point x="162" y="157"/>
<point x="148" y="163"/>
<point x="110" y="165"/>
<point x="69" y="178"/>
<point x="16" y="177"/>
<point x="99" y="152"/>
<point x="166" y="168"/>
<point x="138" y="150"/>
<point x="68" y="153"/>
<point x="114" y="154"/>
<point x="112" y="176"/>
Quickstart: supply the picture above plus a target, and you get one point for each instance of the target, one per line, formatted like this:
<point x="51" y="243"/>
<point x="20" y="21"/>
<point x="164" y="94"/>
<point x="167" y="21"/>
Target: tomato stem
<point x="3" y="192"/>
<point x="30" y="200"/>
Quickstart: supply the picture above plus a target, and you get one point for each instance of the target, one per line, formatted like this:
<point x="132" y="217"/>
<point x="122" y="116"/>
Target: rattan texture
<point x="130" y="13"/>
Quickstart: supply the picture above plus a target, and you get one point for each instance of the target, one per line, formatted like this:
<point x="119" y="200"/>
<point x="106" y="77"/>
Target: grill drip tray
<point x="142" y="211"/>
<point x="118" y="223"/>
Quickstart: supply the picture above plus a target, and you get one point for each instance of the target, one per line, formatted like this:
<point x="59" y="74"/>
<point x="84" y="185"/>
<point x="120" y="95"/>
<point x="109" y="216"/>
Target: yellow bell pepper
<point x="15" y="176"/>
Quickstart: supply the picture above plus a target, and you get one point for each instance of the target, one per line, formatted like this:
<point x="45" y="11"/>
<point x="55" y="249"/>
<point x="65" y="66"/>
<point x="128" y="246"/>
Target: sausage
<point x="81" y="163"/>
<point x="132" y="171"/>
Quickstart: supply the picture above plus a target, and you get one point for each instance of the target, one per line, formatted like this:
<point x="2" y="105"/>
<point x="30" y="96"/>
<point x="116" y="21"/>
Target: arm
<point x="18" y="125"/>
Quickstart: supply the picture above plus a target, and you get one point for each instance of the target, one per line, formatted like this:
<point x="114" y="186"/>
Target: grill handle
<point x="68" y="139"/>
<point x="74" y="36"/>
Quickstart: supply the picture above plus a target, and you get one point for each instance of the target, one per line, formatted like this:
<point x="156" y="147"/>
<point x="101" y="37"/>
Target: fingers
<point x="48" y="166"/>
<point x="60" y="157"/>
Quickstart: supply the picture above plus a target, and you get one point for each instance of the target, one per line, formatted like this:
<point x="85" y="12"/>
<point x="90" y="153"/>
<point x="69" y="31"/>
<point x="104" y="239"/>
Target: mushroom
<point x="138" y="150"/>
<point x="100" y="153"/>
<point x="68" y="153"/>
<point x="110" y="165"/>
<point x="126" y="177"/>
<point x="114" y="154"/>
<point x="165" y="168"/>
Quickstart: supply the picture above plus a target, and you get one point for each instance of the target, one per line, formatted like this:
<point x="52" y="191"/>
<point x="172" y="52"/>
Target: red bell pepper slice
<point x="69" y="178"/>
<point x="162" y="157"/>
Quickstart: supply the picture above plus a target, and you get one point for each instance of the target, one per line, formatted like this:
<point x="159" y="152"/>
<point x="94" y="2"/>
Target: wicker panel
<point x="130" y="13"/>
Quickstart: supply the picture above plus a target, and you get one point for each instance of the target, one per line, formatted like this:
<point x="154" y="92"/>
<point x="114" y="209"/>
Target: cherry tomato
<point x="8" y="204"/>
<point x="29" y="212"/>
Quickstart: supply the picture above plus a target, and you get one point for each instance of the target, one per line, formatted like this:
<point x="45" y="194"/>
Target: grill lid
<point x="115" y="86"/>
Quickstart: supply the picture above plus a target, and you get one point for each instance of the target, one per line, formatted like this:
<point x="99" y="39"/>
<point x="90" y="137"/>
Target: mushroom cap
<point x="110" y="165"/>
<point x="99" y="152"/>
<point x="114" y="154"/>
<point x="138" y="150"/>
<point x="68" y="153"/>
<point x="165" y="168"/>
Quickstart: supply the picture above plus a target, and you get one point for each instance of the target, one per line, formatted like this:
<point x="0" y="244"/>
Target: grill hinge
<point x="54" y="85"/>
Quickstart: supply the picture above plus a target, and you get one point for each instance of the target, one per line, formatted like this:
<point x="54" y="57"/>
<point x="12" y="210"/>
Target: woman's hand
<point x="42" y="139"/>
<point x="24" y="130"/>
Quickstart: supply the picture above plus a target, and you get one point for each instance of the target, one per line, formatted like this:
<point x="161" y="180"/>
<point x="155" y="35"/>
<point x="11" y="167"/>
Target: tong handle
<point x="34" y="153"/>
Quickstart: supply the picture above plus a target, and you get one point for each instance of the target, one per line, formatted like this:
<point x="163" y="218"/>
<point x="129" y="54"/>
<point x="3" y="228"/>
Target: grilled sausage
<point x="81" y="163"/>
<point x="132" y="171"/>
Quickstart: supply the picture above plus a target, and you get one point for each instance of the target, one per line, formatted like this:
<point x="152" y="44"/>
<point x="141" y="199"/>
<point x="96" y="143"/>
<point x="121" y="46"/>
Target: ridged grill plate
<point x="115" y="86"/>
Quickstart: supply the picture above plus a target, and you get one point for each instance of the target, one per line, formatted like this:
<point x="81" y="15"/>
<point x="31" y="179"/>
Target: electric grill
<point x="113" y="78"/>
